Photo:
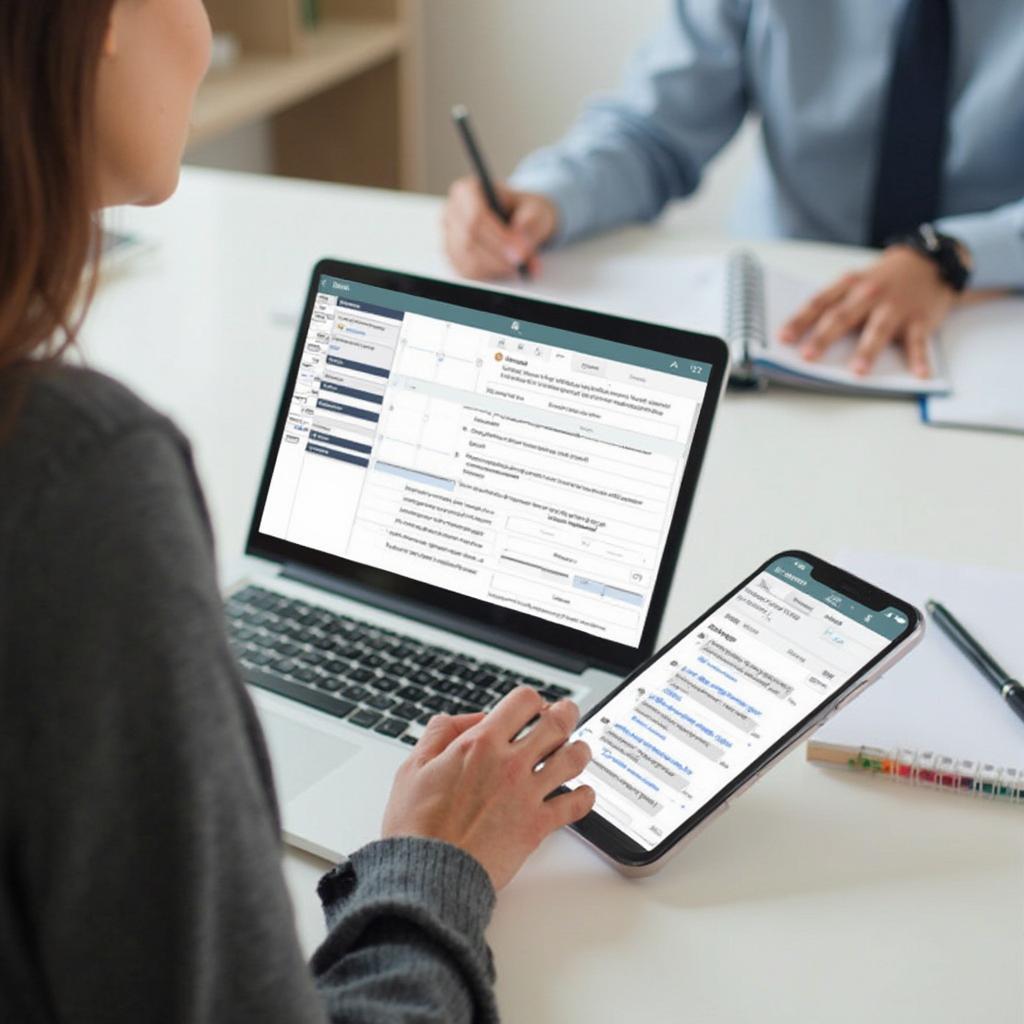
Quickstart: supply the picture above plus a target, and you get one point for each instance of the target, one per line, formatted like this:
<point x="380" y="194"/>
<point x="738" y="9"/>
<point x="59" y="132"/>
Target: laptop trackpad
<point x="302" y="755"/>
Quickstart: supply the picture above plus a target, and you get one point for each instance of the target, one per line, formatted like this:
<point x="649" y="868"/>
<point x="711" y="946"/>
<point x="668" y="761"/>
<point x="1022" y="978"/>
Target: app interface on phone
<point x="731" y="688"/>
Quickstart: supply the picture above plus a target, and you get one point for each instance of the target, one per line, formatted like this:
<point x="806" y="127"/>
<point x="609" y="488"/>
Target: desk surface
<point x="820" y="894"/>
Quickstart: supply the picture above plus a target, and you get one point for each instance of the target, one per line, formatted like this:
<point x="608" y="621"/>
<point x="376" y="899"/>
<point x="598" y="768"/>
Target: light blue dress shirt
<point x="816" y="71"/>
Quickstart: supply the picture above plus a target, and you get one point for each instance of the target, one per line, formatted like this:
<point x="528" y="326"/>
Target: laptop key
<point x="360" y="675"/>
<point x="355" y="693"/>
<point x="393" y="727"/>
<point x="298" y="691"/>
<point x="258" y="658"/>
<point x="329" y="683"/>
<point x="413" y="693"/>
<point x="385" y="683"/>
<point x="554" y="693"/>
<point x="365" y="717"/>
<point x="408" y="711"/>
<point x="283" y="665"/>
<point x="304" y="674"/>
<point x="423" y="719"/>
<point x="411" y="740"/>
<point x="558" y="691"/>
<point x="380" y="701"/>
<point x="477" y="695"/>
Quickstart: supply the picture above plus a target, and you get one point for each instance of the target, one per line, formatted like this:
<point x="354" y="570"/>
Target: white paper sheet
<point x="984" y="348"/>
<point x="935" y="699"/>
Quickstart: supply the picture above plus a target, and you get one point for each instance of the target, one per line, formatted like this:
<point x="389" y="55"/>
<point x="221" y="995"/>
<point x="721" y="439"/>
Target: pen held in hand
<point x="460" y="118"/>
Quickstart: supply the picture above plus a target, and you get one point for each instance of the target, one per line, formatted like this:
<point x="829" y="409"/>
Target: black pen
<point x="460" y="116"/>
<point x="1012" y="691"/>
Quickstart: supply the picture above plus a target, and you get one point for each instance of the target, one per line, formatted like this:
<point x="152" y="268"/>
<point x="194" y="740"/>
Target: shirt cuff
<point x="996" y="244"/>
<point x="539" y="176"/>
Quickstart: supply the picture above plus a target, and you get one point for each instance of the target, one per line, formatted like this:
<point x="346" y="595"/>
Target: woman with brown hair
<point x="139" y="851"/>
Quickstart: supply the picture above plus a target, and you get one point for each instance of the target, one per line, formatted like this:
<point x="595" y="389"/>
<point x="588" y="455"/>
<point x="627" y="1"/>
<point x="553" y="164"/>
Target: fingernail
<point x="808" y="352"/>
<point x="512" y="254"/>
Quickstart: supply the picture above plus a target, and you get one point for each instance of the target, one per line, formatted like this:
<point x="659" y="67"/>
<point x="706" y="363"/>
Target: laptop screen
<point x="526" y="466"/>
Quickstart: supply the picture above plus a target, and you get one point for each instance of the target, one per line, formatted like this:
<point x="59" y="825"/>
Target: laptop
<point x="466" y="491"/>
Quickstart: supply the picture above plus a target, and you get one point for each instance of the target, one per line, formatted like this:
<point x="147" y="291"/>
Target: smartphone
<point x="725" y="700"/>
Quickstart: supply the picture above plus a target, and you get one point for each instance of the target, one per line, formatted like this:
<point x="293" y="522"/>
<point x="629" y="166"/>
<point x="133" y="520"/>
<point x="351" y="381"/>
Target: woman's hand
<point x="900" y="299"/>
<point x="472" y="783"/>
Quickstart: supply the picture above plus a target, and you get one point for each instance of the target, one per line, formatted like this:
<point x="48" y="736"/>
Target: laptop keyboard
<point x="374" y="678"/>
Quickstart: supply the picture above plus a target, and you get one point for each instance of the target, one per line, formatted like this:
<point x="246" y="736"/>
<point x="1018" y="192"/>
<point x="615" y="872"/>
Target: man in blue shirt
<point x="875" y="117"/>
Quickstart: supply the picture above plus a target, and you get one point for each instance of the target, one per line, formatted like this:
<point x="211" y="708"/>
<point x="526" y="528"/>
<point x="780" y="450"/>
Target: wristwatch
<point x="949" y="256"/>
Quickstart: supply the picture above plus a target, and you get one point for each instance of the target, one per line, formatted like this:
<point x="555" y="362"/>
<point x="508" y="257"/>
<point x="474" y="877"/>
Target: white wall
<point x="524" y="68"/>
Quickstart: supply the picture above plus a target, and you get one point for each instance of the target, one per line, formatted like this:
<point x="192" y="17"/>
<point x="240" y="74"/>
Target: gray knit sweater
<point x="140" y="873"/>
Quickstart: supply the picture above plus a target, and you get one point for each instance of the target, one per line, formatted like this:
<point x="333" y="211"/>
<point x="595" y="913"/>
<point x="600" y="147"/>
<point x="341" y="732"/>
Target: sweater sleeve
<point x="147" y="850"/>
<point x="406" y="940"/>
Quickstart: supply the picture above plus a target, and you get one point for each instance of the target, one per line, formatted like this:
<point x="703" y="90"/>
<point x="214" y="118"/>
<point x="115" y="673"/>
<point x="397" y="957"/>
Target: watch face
<point x="944" y="251"/>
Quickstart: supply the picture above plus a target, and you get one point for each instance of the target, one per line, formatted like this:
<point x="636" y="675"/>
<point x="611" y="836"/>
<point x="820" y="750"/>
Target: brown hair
<point x="49" y="241"/>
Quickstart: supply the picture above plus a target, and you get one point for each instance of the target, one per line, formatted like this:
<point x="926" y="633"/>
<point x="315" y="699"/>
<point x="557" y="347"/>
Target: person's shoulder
<point x="65" y="418"/>
<point x="65" y="414"/>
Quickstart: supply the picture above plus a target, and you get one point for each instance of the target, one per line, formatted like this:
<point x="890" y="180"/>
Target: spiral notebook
<point x="737" y="298"/>
<point x="934" y="720"/>
<point x="759" y="300"/>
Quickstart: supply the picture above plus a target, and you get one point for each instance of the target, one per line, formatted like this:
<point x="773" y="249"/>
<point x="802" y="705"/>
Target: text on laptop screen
<point x="532" y="468"/>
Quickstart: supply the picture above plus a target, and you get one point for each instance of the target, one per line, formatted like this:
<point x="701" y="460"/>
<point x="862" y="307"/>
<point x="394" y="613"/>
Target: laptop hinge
<point x="515" y="643"/>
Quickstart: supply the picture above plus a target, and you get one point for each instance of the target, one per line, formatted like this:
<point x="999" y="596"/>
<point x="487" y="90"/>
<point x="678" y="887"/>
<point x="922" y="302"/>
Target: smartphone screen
<point x="731" y="688"/>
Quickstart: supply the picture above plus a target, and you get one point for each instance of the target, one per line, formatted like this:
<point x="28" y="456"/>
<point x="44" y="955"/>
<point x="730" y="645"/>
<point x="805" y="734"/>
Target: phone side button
<point x="856" y="692"/>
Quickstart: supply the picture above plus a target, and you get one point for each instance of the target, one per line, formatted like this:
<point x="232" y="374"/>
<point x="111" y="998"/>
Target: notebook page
<point x="784" y="295"/>
<point x="984" y="350"/>
<point x="688" y="292"/>
<point x="935" y="699"/>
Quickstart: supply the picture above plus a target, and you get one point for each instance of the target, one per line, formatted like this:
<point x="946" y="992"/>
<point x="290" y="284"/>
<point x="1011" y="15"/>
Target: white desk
<point x="819" y="896"/>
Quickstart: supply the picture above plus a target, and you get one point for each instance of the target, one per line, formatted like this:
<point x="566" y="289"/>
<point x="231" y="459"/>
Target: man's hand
<point x="899" y="300"/>
<point x="472" y="783"/>
<point x="480" y="245"/>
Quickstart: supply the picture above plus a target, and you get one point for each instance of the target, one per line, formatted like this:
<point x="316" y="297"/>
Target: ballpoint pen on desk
<point x="460" y="117"/>
<point x="1011" y="690"/>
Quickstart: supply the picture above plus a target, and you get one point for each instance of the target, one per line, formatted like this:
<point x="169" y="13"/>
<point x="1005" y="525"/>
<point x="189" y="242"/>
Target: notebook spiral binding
<point x="927" y="768"/>
<point x="745" y="325"/>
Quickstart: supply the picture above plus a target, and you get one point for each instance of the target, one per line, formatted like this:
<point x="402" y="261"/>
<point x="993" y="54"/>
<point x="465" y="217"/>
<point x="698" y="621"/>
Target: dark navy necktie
<point x="912" y="138"/>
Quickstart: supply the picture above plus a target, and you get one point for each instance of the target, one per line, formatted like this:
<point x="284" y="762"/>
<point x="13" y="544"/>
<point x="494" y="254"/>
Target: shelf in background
<point x="264" y="84"/>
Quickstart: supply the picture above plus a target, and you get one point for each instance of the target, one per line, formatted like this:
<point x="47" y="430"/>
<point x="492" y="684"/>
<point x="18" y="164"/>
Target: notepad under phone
<point x="934" y="719"/>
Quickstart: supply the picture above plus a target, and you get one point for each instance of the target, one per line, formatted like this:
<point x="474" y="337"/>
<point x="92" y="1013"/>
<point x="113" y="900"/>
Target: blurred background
<point x="359" y="91"/>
